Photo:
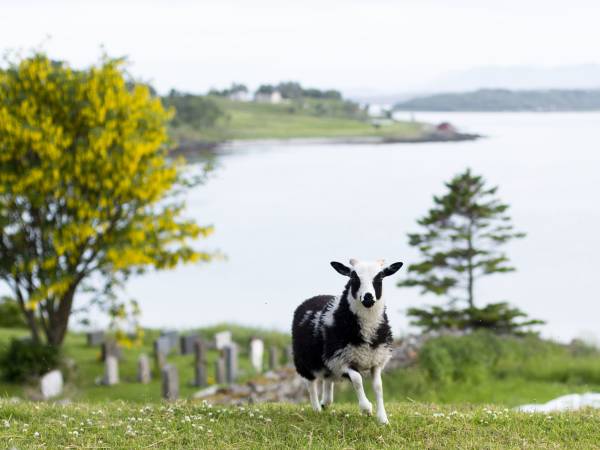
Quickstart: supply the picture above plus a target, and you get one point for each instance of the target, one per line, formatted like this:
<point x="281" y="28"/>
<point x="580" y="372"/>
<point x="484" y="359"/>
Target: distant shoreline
<point x="199" y="147"/>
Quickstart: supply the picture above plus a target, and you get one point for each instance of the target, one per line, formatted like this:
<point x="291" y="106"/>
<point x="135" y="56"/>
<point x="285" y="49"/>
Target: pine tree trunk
<point x="470" y="298"/>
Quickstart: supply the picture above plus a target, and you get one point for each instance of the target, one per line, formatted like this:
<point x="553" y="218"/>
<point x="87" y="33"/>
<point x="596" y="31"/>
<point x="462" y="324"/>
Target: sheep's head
<point x="366" y="279"/>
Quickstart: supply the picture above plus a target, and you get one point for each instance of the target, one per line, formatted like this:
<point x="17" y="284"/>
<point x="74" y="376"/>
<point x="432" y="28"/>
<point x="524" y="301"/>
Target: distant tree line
<point x="293" y="90"/>
<point x="506" y="100"/>
<point x="196" y="111"/>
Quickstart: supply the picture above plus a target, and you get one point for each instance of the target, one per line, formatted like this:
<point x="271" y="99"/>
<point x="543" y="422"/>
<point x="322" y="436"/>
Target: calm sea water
<point x="283" y="211"/>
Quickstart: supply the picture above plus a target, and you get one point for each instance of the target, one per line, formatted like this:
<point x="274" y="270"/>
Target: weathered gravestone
<point x="173" y="338"/>
<point x="95" y="338"/>
<point x="170" y="382"/>
<point x="257" y="350"/>
<point x="51" y="384"/>
<point x="289" y="356"/>
<point x="230" y="354"/>
<point x="222" y="339"/>
<point x="111" y="370"/>
<point x="273" y="357"/>
<point x="143" y="374"/>
<point x="220" y="370"/>
<point x="200" y="376"/>
<point x="111" y="348"/>
<point x="187" y="343"/>
<point x="161" y="350"/>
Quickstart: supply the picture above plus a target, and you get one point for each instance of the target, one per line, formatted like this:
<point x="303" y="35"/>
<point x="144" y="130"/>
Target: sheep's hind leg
<point x="363" y="402"/>
<point x="327" y="392"/>
<point x="313" y="393"/>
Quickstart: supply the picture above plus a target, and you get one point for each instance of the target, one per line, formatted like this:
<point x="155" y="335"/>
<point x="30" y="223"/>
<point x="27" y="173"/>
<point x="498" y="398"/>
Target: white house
<point x="273" y="97"/>
<point x="240" y="96"/>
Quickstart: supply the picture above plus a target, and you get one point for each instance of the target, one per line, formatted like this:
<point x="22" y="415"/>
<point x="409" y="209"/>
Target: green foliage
<point x="235" y="88"/>
<point x="292" y="90"/>
<point x="507" y="100"/>
<point x="10" y="314"/>
<point x="86" y="188"/>
<point x="24" y="359"/>
<point x="500" y="317"/>
<point x="193" y="110"/>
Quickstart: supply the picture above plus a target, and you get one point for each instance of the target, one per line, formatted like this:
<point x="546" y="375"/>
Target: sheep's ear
<point x="391" y="269"/>
<point x="341" y="269"/>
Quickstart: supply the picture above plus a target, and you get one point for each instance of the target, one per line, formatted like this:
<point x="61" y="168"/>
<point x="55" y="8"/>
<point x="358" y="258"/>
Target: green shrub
<point x="478" y="355"/>
<point x="10" y="314"/>
<point x="24" y="359"/>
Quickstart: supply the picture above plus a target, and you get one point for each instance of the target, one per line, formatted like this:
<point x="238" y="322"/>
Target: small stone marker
<point x="273" y="357"/>
<point x="170" y="382"/>
<point x="257" y="350"/>
<point x="200" y="376"/>
<point x="111" y="348"/>
<point x="162" y="345"/>
<point x="95" y="338"/>
<point x="289" y="356"/>
<point x="220" y="370"/>
<point x="160" y="357"/>
<point x="111" y="370"/>
<point x="143" y="375"/>
<point x="186" y="343"/>
<point x="172" y="337"/>
<point x="231" y="363"/>
<point x="51" y="384"/>
<point x="222" y="339"/>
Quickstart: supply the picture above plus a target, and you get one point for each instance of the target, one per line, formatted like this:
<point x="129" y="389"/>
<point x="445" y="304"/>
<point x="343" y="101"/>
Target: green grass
<point x="249" y="120"/>
<point x="197" y="425"/>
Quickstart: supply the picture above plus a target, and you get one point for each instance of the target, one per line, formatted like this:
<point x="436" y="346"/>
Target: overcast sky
<point x="379" y="45"/>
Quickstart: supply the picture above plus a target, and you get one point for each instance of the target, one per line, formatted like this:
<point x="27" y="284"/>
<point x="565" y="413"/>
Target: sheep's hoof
<point x="383" y="420"/>
<point x="367" y="409"/>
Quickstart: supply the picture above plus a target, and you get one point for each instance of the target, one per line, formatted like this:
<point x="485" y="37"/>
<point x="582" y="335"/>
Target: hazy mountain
<point x="584" y="76"/>
<point x="507" y="100"/>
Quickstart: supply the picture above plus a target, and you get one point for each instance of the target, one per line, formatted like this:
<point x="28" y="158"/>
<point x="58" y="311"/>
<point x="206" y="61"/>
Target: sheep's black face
<point x="366" y="279"/>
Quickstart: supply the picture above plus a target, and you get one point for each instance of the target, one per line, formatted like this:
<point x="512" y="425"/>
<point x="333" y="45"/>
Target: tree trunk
<point x="30" y="317"/>
<point x="470" y="298"/>
<point x="59" y="321"/>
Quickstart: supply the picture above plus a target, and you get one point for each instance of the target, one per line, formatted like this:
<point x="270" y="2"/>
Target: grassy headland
<point x="306" y="118"/>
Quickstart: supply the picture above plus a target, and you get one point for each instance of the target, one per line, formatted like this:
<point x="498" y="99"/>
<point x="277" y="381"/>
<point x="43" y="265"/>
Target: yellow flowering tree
<point x="88" y="195"/>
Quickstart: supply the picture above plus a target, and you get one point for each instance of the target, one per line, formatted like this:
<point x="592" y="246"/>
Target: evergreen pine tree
<point x="461" y="240"/>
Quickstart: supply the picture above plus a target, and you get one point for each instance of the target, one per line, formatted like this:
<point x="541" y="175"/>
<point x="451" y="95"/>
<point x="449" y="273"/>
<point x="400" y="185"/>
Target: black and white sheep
<point x="335" y="337"/>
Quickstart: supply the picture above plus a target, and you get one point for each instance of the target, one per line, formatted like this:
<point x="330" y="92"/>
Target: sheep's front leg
<point x="363" y="401"/>
<point x="327" y="392"/>
<point x="378" y="388"/>
<point x="313" y="394"/>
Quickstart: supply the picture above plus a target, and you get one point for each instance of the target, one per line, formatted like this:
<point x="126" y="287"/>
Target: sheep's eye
<point x="354" y="283"/>
<point x="377" y="286"/>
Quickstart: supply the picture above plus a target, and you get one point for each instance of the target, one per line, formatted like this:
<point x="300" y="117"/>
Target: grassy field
<point x="198" y="425"/>
<point x="249" y="120"/>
